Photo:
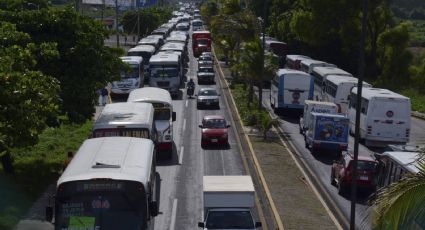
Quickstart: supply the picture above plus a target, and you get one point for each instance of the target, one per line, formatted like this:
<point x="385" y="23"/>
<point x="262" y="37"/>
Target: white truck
<point x="318" y="107"/>
<point x="228" y="203"/>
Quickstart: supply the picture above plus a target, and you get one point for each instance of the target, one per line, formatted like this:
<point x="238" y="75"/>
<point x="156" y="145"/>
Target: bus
<point x="176" y="46"/>
<point x="132" y="79"/>
<point x="307" y="65"/>
<point x="155" y="42"/>
<point x="126" y="119"/>
<point x="384" y="116"/>
<point x="337" y="89"/>
<point x="164" y="114"/>
<point x="144" y="51"/>
<point x="111" y="183"/>
<point x="293" y="61"/>
<point x="166" y="72"/>
<point x="197" y="24"/>
<point x="319" y="73"/>
<point x="289" y="90"/>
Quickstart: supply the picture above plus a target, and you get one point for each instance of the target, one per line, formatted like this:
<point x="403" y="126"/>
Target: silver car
<point x="206" y="74"/>
<point x="205" y="61"/>
<point x="207" y="97"/>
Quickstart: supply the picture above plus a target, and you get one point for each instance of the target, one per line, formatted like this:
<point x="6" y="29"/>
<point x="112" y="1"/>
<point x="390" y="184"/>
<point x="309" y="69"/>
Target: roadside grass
<point x="417" y="99"/>
<point x="36" y="167"/>
<point x="250" y="115"/>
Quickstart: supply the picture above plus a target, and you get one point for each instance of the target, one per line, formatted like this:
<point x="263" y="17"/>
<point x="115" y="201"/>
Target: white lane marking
<point x="181" y="155"/>
<point x="187" y="103"/>
<point x="222" y="161"/>
<point x="173" y="215"/>
<point x="184" y="124"/>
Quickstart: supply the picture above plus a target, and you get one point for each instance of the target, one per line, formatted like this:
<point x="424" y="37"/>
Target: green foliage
<point x="417" y="99"/>
<point x="150" y="19"/>
<point x="249" y="116"/>
<point x="265" y="123"/>
<point x="208" y="10"/>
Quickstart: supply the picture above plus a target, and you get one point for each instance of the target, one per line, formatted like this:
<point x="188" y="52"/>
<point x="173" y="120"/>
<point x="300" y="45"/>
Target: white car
<point x="207" y="97"/>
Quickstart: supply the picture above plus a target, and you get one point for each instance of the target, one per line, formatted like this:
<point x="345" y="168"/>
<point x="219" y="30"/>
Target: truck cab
<point x="228" y="203"/>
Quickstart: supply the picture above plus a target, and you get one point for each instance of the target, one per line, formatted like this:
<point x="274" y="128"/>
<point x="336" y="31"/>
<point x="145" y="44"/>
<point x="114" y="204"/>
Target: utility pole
<point x="138" y="24"/>
<point x="116" y="23"/>
<point x="260" y="84"/>
<point x="357" y="127"/>
<point x="77" y="5"/>
<point x="103" y="9"/>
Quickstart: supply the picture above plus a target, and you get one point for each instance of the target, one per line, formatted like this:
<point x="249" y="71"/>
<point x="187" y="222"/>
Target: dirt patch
<point x="297" y="205"/>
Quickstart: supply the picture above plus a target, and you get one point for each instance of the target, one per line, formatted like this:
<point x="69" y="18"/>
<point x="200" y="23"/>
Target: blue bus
<point x="289" y="90"/>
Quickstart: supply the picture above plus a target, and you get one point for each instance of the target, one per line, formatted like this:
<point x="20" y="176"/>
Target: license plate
<point x="214" y="140"/>
<point x="364" y="178"/>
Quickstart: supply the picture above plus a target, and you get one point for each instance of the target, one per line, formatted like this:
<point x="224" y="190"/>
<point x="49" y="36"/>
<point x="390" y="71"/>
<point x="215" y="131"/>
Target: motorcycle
<point x="190" y="90"/>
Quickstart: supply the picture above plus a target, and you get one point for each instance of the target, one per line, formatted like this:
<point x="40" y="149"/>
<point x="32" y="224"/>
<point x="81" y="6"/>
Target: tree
<point x="83" y="61"/>
<point x="265" y="123"/>
<point x="208" y="10"/>
<point x="149" y="18"/>
<point x="28" y="98"/>
<point x="399" y="204"/>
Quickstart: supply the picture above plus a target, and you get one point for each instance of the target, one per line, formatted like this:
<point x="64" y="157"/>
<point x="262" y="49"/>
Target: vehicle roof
<point x="209" y="88"/>
<point x="328" y="70"/>
<point x="320" y="102"/>
<point x="171" y="44"/>
<point x="228" y="184"/>
<point x="149" y="40"/>
<point x="268" y="42"/>
<point x="132" y="155"/>
<point x="142" y="48"/>
<point x="368" y="93"/>
<point x="156" y="36"/>
<point x="338" y="79"/>
<point x="177" y="37"/>
<point x="201" y="32"/>
<point x="296" y="57"/>
<point x="132" y="59"/>
<point x="164" y="57"/>
<point x="406" y="159"/>
<point x="330" y="115"/>
<point x="125" y="114"/>
<point x="312" y="61"/>
<point x="197" y="20"/>
<point x="185" y="24"/>
<point x="208" y="117"/>
<point x="150" y="94"/>
<point x="281" y="72"/>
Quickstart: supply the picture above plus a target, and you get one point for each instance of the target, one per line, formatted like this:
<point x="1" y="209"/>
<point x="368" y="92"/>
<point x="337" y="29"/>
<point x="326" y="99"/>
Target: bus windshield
<point x="164" y="72"/>
<point x="162" y="114"/>
<point x="132" y="73"/>
<point x="86" y="205"/>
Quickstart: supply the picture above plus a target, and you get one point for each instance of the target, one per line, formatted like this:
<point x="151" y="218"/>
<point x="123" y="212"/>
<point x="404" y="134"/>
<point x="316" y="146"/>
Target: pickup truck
<point x="228" y="203"/>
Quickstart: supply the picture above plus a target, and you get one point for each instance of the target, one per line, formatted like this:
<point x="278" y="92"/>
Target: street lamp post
<point x="357" y="126"/>
<point x="116" y="23"/>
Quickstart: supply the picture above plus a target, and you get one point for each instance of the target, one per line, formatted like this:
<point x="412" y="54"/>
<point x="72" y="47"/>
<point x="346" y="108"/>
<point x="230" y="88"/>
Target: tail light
<point x="369" y="129"/>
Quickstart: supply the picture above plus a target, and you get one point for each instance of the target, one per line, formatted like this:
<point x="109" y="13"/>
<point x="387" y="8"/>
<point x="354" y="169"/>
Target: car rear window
<point x="366" y="165"/>
<point x="214" y="123"/>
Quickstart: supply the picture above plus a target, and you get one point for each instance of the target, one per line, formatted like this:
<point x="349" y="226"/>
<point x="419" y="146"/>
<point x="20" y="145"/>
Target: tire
<point x="341" y="188"/>
<point x="332" y="178"/>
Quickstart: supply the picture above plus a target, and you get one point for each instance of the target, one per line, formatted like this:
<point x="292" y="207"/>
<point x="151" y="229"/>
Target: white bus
<point x="293" y="61"/>
<point x="337" y="89"/>
<point x="289" y="90"/>
<point x="320" y="73"/>
<point x="131" y="79"/>
<point x="384" y="116"/>
<point x="111" y="183"/>
<point x="176" y="46"/>
<point x="155" y="42"/>
<point x="126" y="119"/>
<point x="144" y="51"/>
<point x="164" y="114"/>
<point x="166" y="72"/>
<point x="307" y="65"/>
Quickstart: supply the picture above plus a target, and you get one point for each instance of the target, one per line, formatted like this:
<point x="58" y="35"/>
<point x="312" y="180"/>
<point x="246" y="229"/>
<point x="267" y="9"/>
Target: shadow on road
<point x="163" y="160"/>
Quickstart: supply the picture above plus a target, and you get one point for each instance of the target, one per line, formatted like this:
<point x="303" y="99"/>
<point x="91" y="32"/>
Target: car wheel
<point x="341" y="188"/>
<point x="332" y="177"/>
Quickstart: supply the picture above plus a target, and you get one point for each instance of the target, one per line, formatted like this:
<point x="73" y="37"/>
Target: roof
<point x="328" y="70"/>
<point x="312" y="61"/>
<point x="319" y="103"/>
<point x="330" y="115"/>
<point x="142" y="48"/>
<point x="207" y="117"/>
<point x="201" y="32"/>
<point x="173" y="46"/>
<point x="128" y="158"/>
<point x="379" y="93"/>
<point x="132" y="59"/>
<point x="125" y="114"/>
<point x="338" y="79"/>
<point x="228" y="184"/>
<point x="296" y="57"/>
<point x="281" y="72"/>
<point x="176" y="37"/>
<point x="149" y="40"/>
<point x="163" y="57"/>
<point x="155" y="36"/>
<point x="150" y="94"/>
<point x="406" y="159"/>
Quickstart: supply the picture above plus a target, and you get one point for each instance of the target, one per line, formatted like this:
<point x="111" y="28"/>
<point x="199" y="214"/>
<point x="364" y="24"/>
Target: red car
<point x="366" y="173"/>
<point x="214" y="130"/>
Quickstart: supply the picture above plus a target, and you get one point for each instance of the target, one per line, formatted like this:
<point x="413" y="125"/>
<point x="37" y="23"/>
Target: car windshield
<point x="205" y="58"/>
<point x="208" y="92"/>
<point x="206" y="70"/>
<point x="203" y="42"/>
<point x="229" y="220"/>
<point x="214" y="123"/>
<point x="366" y="165"/>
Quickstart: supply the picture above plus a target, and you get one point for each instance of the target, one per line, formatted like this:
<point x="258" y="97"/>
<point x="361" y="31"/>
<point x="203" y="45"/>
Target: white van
<point x="384" y="116"/>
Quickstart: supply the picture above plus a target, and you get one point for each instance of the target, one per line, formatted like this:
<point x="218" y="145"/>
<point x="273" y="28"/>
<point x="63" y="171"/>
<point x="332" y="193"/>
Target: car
<point x="207" y="97"/>
<point x="207" y="53"/>
<point x="206" y="74"/>
<point x="214" y="130"/>
<point x="205" y="61"/>
<point x="366" y="172"/>
<point x="404" y="148"/>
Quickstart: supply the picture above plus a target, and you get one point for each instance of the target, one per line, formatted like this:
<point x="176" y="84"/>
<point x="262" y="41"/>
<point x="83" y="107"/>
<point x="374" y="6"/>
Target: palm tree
<point x="401" y="203"/>
<point x="265" y="123"/>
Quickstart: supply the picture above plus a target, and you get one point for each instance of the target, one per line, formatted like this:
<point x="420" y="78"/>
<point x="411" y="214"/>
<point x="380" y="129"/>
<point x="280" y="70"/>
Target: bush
<point x="417" y="99"/>
<point x="249" y="115"/>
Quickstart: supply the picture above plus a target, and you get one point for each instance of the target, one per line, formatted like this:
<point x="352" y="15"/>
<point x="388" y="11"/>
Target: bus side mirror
<point x="258" y="224"/>
<point x="49" y="213"/>
<point x="201" y="224"/>
<point x="174" y="116"/>
<point x="153" y="208"/>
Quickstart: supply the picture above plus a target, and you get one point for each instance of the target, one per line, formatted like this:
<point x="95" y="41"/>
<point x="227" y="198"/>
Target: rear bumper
<point x="334" y="147"/>
<point x="165" y="146"/>
<point x="220" y="141"/>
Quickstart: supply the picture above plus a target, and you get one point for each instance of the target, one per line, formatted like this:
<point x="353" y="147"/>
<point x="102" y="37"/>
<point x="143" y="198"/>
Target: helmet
<point x="191" y="80"/>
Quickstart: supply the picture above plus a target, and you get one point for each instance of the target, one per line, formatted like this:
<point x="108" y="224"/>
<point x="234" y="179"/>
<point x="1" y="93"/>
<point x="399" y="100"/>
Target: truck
<point x="315" y="106"/>
<point x="228" y="203"/>
<point x="201" y="42"/>
<point x="327" y="132"/>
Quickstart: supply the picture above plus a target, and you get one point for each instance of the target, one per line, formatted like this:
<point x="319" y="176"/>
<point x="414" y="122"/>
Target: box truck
<point x="228" y="203"/>
<point x="315" y="106"/>
<point x="201" y="42"/>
